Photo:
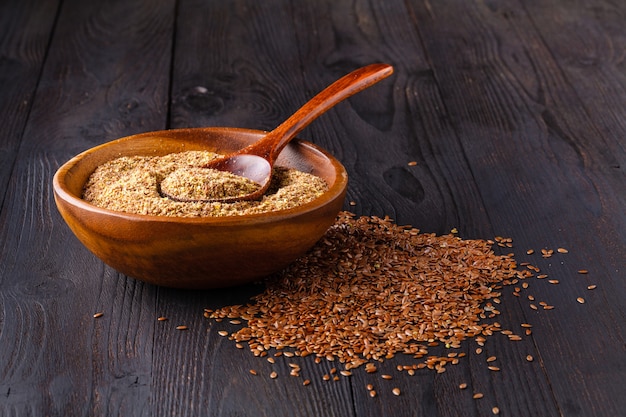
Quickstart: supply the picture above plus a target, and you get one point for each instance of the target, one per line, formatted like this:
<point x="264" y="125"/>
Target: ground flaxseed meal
<point x="132" y="185"/>
<point x="371" y="289"/>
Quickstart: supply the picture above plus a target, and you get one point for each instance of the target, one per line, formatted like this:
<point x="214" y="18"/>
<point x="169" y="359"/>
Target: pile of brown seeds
<point x="371" y="289"/>
<point x="132" y="185"/>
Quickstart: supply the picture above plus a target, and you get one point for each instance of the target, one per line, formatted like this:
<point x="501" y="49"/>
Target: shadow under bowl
<point x="202" y="252"/>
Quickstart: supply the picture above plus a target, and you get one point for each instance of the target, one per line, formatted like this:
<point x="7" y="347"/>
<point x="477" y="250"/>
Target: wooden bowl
<point x="198" y="253"/>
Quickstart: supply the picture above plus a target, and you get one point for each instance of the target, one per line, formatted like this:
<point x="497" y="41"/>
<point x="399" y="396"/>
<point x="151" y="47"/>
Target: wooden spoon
<point x="255" y="161"/>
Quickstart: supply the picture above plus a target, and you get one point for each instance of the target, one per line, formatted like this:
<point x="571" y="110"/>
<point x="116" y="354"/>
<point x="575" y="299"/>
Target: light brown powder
<point x="132" y="185"/>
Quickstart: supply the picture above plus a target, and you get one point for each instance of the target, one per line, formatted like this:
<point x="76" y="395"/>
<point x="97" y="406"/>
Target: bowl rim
<point x="335" y="190"/>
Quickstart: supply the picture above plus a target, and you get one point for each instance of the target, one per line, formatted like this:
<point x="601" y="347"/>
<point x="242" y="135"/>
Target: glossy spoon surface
<point x="255" y="162"/>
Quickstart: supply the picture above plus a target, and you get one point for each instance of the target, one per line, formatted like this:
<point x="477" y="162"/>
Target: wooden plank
<point x="242" y="70"/>
<point x="535" y="168"/>
<point x="25" y="28"/>
<point x="105" y="76"/>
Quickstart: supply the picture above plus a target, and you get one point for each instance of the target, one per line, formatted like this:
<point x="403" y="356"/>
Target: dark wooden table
<point x="514" y="111"/>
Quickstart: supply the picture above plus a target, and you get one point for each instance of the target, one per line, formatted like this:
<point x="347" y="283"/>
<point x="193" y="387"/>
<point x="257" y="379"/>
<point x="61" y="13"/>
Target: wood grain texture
<point x="529" y="146"/>
<point x="25" y="28"/>
<point x="513" y="112"/>
<point x="56" y="359"/>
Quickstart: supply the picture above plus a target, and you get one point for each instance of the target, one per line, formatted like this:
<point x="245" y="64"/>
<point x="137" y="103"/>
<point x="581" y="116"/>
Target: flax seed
<point x="463" y="385"/>
<point x="98" y="315"/>
<point x="477" y="395"/>
<point x="581" y="300"/>
<point x="181" y="327"/>
<point x="358" y="297"/>
<point x="396" y="391"/>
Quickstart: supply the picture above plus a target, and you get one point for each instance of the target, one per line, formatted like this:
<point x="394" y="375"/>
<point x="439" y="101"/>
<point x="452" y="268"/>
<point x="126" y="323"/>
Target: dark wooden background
<point x="515" y="112"/>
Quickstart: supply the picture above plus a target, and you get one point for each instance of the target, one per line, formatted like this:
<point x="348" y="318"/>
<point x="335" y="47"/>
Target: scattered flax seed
<point x="592" y="287"/>
<point x="396" y="391"/>
<point x="98" y="315"/>
<point x="553" y="281"/>
<point x="530" y="251"/>
<point x="223" y="333"/>
<point x="352" y="203"/>
<point x="491" y="359"/>
<point x="385" y="376"/>
<point x="463" y="385"/>
<point x="529" y="358"/>
<point x="534" y="307"/>
<point x="583" y="271"/>
<point x="477" y="396"/>
<point x="562" y="250"/>
<point x="253" y="372"/>
<point x="542" y="276"/>
<point x="369" y="387"/>
<point x="372" y="393"/>
<point x="412" y="163"/>
<point x="495" y="410"/>
<point x="493" y="368"/>
<point x="370" y="368"/>
<point x="370" y="289"/>
<point x="581" y="300"/>
<point x="162" y="318"/>
<point x="181" y="327"/>
<point x="274" y="375"/>
<point x="306" y="382"/>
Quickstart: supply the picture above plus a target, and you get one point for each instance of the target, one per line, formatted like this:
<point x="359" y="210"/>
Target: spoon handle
<point x="274" y="142"/>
